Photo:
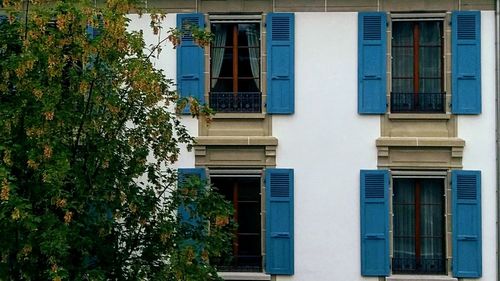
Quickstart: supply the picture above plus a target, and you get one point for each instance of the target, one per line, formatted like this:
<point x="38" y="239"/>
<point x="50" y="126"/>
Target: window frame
<point x="237" y="102"/>
<point x="445" y="19"/>
<point x="246" y="173"/>
<point x="447" y="239"/>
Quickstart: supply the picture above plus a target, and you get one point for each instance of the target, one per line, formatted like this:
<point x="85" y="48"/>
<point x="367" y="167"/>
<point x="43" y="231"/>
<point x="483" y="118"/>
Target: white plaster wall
<point x="327" y="143"/>
<point x="478" y="131"/>
<point x="167" y="62"/>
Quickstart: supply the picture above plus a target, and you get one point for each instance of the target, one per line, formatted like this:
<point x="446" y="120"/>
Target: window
<point x="418" y="226"/>
<point x="244" y="193"/>
<point x="417" y="63"/>
<point x="235" y="67"/>
<point x="417" y="67"/>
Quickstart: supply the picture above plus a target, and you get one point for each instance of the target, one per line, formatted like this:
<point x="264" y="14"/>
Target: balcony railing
<point x="424" y="265"/>
<point x="418" y="102"/>
<point x="241" y="102"/>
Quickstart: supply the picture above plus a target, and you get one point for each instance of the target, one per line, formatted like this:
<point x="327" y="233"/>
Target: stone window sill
<point x="244" y="276"/>
<point x="420" y="278"/>
<point x="420" y="116"/>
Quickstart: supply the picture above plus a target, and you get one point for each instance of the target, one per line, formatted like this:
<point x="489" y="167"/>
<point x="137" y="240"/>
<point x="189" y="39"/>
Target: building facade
<point x="356" y="139"/>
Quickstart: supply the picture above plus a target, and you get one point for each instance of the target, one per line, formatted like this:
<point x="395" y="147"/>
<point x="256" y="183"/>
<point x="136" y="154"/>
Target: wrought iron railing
<point x="418" y="102"/>
<point x="423" y="265"/>
<point x="241" y="102"/>
<point x="239" y="263"/>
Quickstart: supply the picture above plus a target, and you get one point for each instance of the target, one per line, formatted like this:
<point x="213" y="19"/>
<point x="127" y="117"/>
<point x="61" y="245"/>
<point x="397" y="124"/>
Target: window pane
<point x="404" y="221"/>
<point x="432" y="224"/>
<point x="244" y="193"/>
<point x="245" y="37"/>
<point x="430" y="57"/>
<point x="402" y="57"/>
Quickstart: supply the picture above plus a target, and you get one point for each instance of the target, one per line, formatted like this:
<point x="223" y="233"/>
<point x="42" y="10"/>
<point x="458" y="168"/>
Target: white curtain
<point x="254" y="53"/>
<point x="218" y="50"/>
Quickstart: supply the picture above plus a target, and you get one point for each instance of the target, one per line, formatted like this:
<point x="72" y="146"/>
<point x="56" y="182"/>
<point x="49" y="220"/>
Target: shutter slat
<point x="466" y="221"/>
<point x="466" y="27"/>
<point x="279" y="221"/>
<point x="374" y="207"/>
<point x="372" y="28"/>
<point x="372" y="44"/>
<point x="190" y="60"/>
<point x="466" y="62"/>
<point x="280" y="63"/>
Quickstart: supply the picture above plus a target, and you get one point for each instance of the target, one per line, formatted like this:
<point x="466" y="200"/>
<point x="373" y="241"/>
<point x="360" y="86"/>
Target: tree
<point x="87" y="142"/>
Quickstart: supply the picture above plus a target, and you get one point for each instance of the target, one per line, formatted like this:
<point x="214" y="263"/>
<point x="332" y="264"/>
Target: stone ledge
<point x="244" y="276"/>
<point x="235" y="140"/>
<point x="417" y="116"/>
<point x="420" y="278"/>
<point x="420" y="141"/>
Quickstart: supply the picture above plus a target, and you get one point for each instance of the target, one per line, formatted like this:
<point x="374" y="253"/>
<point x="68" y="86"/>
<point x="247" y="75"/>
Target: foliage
<point x="87" y="142"/>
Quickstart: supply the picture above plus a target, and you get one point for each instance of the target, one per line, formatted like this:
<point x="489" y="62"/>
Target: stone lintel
<point x="420" y="141"/>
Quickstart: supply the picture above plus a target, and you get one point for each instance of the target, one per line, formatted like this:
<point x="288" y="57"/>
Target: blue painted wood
<point x="280" y="63"/>
<point x="466" y="221"/>
<point x="466" y="62"/>
<point x="183" y="174"/>
<point x="374" y="208"/>
<point x="279" y="221"/>
<point x="372" y="80"/>
<point x="190" y="60"/>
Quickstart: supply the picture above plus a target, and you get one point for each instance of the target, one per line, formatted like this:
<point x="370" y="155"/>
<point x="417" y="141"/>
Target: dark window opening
<point x="235" y="67"/>
<point x="417" y="67"/>
<point x="244" y="193"/>
<point x="419" y="226"/>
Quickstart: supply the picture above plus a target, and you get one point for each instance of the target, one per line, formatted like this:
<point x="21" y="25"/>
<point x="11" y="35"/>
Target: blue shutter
<point x="279" y="221"/>
<point x="280" y="63"/>
<point x="183" y="174"/>
<point x="466" y="63"/>
<point x="374" y="222"/>
<point x="466" y="217"/>
<point x="190" y="60"/>
<point x="372" y="43"/>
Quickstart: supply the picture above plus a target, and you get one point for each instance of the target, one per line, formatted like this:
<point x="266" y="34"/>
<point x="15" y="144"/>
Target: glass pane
<point x="432" y="224"/>
<point x="249" y="217"/>
<point x="402" y="57"/>
<point x="430" y="57"/>
<point x="246" y="36"/>
<point x="404" y="221"/>
<point x="430" y="33"/>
